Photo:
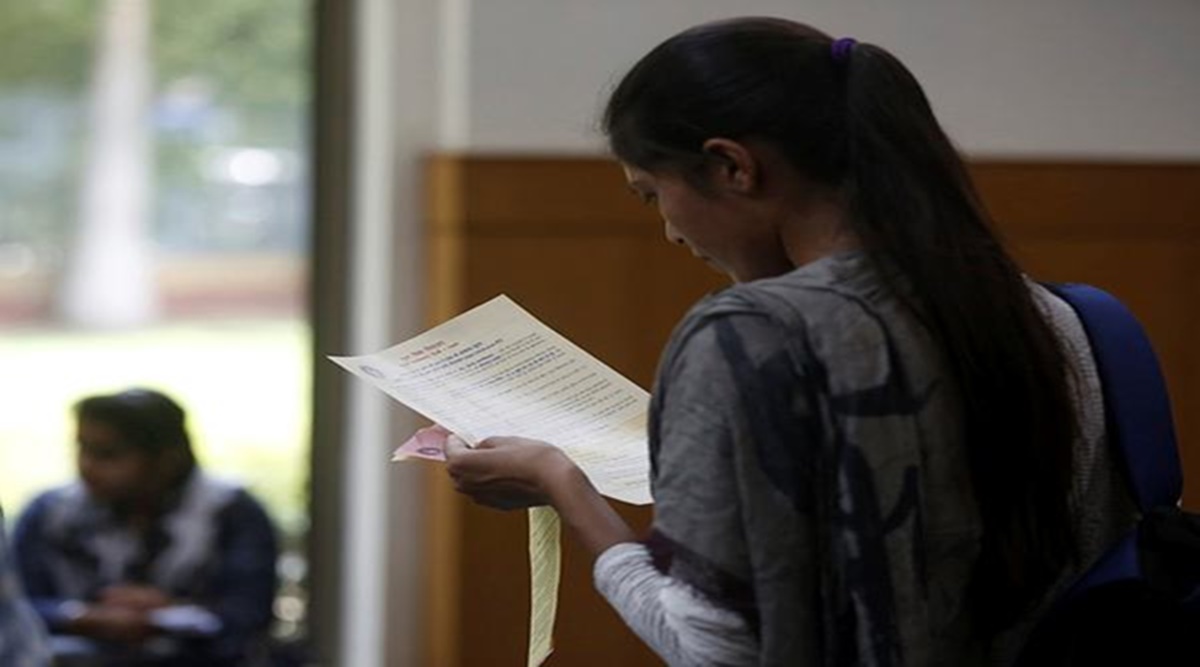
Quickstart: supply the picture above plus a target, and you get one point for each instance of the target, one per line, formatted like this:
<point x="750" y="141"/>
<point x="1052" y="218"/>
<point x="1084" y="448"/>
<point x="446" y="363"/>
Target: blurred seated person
<point x="146" y="560"/>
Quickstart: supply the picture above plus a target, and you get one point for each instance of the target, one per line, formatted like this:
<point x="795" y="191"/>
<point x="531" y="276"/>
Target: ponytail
<point x="916" y="212"/>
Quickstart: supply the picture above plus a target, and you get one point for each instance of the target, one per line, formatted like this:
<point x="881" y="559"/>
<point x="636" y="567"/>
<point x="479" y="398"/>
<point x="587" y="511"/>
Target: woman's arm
<point x="244" y="581"/>
<point x="677" y="621"/>
<point x="32" y="555"/>
<point x="681" y="624"/>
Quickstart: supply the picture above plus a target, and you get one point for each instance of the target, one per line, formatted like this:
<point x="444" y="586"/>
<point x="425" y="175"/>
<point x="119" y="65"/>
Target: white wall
<point x="1065" y="78"/>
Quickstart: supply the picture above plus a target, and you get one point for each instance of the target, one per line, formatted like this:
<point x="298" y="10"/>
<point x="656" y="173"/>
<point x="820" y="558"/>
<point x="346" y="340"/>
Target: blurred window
<point x="154" y="185"/>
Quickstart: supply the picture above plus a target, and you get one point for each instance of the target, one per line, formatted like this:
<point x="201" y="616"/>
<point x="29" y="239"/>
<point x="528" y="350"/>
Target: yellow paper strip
<point x="545" y="557"/>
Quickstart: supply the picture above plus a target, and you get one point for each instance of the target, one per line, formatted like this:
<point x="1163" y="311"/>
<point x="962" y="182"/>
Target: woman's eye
<point x="649" y="198"/>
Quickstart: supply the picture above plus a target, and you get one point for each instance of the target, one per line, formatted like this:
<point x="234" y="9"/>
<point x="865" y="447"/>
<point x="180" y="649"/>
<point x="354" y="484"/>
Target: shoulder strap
<point x="1139" y="426"/>
<point x="1137" y="408"/>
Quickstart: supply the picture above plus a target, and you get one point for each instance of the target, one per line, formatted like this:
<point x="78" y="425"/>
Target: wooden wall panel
<point x="569" y="243"/>
<point x="565" y="239"/>
<point x="1131" y="229"/>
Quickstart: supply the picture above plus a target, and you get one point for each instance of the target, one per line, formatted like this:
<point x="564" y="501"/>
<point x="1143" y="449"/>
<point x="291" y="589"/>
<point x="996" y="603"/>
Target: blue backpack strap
<point x="1110" y="597"/>
<point x="1137" y="408"/>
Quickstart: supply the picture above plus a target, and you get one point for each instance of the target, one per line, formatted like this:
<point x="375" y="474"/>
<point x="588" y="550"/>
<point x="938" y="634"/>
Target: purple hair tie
<point x="841" y="49"/>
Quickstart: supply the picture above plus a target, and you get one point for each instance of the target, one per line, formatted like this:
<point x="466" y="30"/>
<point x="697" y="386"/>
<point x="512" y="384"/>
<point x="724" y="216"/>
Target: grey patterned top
<point x="813" y="502"/>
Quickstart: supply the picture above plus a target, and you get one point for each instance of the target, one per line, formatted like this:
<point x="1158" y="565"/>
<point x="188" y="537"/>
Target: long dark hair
<point x="857" y="121"/>
<point x="148" y="420"/>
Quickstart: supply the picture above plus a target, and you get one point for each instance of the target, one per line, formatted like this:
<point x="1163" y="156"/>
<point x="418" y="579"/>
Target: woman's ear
<point x="735" y="168"/>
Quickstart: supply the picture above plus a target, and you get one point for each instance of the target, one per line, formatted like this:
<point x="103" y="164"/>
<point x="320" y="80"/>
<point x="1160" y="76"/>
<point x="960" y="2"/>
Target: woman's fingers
<point x="456" y="451"/>
<point x="501" y="472"/>
<point x="455" y="446"/>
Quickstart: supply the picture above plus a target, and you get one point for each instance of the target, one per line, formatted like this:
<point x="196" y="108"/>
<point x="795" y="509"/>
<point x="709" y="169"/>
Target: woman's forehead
<point x="98" y="432"/>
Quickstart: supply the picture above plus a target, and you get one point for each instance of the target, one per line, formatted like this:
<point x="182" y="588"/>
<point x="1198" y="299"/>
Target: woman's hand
<point x="134" y="596"/>
<point x="113" y="623"/>
<point x="506" y="472"/>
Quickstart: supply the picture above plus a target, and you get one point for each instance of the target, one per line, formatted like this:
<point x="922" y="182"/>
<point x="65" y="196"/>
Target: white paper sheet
<point x="497" y="370"/>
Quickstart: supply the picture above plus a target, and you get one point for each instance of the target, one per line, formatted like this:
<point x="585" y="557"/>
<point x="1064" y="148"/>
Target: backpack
<point x="1140" y="602"/>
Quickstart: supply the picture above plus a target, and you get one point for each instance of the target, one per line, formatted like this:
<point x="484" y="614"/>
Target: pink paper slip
<point x="427" y="443"/>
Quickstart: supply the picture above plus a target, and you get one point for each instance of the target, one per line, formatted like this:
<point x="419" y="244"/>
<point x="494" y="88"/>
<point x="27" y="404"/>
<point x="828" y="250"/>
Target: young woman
<point x="146" y="560"/>
<point x="881" y="446"/>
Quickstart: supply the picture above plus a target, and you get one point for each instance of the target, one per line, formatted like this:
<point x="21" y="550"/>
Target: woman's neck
<point x="817" y="226"/>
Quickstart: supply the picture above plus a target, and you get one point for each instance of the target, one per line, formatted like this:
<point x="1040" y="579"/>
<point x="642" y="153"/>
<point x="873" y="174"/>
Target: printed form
<point x="497" y="370"/>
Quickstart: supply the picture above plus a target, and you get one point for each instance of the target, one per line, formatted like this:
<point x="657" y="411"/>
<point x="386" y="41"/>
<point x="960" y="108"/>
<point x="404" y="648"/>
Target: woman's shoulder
<point x="48" y="500"/>
<point x="834" y="293"/>
<point x="224" y="494"/>
<point x="57" y="510"/>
